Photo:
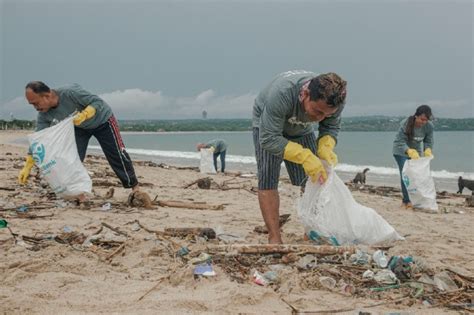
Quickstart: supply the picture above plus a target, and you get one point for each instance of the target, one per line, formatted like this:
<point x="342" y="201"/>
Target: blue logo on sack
<point x="406" y="180"/>
<point x="38" y="152"/>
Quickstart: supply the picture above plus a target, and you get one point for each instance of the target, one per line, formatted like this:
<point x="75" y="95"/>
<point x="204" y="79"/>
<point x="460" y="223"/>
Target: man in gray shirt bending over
<point x="94" y="118"/>
<point x="283" y="117"/>
<point x="219" y="148"/>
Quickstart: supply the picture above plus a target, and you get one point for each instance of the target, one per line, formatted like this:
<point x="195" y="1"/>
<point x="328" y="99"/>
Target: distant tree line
<point x="17" y="124"/>
<point x="370" y="123"/>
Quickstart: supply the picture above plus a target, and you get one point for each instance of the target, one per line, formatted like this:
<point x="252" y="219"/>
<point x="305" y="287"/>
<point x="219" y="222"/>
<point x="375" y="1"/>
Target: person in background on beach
<point x="414" y="139"/>
<point x="219" y="148"/>
<point x="283" y="116"/>
<point x="94" y="117"/>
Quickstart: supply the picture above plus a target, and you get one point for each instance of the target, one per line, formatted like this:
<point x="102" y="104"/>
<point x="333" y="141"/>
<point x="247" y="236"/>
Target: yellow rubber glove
<point x="428" y="153"/>
<point x="25" y="172"/>
<point x="212" y="149"/>
<point x="413" y="154"/>
<point x="313" y="167"/>
<point x="82" y="116"/>
<point x="326" y="149"/>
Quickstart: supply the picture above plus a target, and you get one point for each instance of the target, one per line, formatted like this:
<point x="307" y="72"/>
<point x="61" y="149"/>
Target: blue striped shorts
<point x="268" y="164"/>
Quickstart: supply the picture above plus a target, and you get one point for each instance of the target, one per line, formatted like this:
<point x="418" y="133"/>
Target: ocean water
<point x="453" y="151"/>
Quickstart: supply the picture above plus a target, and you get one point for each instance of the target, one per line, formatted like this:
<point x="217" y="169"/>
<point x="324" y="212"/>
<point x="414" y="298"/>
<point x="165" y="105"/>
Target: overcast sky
<point x="173" y="59"/>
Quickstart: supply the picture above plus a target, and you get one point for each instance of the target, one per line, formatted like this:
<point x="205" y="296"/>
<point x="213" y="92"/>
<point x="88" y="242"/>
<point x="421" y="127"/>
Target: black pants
<point x="110" y="140"/>
<point x="222" y="154"/>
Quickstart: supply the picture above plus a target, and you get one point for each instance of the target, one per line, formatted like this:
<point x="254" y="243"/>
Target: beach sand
<point x="52" y="277"/>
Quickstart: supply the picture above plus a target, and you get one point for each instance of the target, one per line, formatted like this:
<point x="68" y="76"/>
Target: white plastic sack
<point x="331" y="211"/>
<point x="207" y="162"/>
<point x="55" y="153"/>
<point x="419" y="183"/>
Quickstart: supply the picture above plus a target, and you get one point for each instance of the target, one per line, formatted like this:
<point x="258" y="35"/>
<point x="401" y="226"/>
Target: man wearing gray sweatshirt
<point x="93" y="117"/>
<point x="283" y="117"/>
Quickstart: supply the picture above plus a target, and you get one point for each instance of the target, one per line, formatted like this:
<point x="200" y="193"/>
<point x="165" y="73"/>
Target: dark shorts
<point x="268" y="164"/>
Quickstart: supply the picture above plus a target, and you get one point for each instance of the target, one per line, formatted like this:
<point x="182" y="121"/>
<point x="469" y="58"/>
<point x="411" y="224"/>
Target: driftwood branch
<point x="30" y="207"/>
<point x="188" y="205"/>
<point x="118" y="250"/>
<point x="281" y="249"/>
<point x="7" y="188"/>
<point x="116" y="230"/>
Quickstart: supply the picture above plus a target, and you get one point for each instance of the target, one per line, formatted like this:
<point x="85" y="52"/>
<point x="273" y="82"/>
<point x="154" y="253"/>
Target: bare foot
<point x="275" y="240"/>
<point x="82" y="198"/>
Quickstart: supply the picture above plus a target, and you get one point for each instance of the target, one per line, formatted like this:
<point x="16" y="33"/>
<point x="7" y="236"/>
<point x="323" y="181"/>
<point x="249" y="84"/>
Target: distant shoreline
<point x="364" y="124"/>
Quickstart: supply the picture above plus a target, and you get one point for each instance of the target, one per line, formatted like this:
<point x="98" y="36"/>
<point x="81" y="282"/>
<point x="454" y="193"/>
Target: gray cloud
<point x="143" y="104"/>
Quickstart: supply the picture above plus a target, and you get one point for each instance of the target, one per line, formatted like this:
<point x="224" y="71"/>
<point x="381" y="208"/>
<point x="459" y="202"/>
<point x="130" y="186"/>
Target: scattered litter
<point x="359" y="258"/>
<point x="3" y="224"/>
<point x="259" y="279"/>
<point x="226" y="237"/>
<point x="67" y="229"/>
<point x="444" y="282"/>
<point x="346" y="288"/>
<point x="385" y="276"/>
<point x="368" y="274"/>
<point x="321" y="240"/>
<point x="205" y="270"/>
<point x="327" y="282"/>
<point x="135" y="227"/>
<point x="183" y="251"/>
<point x="22" y="209"/>
<point x="380" y="259"/>
<point x="106" y="206"/>
<point x="401" y="267"/>
<point x="203" y="257"/>
<point x="307" y="262"/>
<point x="271" y="277"/>
<point x="61" y="203"/>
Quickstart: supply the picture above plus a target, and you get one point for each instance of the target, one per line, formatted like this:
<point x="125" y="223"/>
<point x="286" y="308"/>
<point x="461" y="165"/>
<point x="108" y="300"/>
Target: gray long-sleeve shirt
<point x="280" y="116"/>
<point x="422" y="139"/>
<point x="218" y="144"/>
<point x="74" y="98"/>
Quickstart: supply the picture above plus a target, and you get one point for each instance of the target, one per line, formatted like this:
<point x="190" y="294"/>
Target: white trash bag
<point x="420" y="185"/>
<point x="207" y="161"/>
<point x="55" y="153"/>
<point x="330" y="210"/>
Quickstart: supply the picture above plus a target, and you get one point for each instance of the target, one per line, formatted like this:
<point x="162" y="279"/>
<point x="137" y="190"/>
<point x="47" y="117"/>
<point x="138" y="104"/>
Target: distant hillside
<point x="367" y="123"/>
<point x="384" y="123"/>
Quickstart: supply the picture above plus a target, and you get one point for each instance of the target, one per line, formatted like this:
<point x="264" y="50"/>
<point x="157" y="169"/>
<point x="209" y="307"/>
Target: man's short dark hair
<point x="328" y="87"/>
<point x="38" y="87"/>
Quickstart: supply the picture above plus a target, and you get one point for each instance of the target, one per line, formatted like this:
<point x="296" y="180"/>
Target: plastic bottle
<point x="3" y="224"/>
<point x="327" y="282"/>
<point x="380" y="259"/>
